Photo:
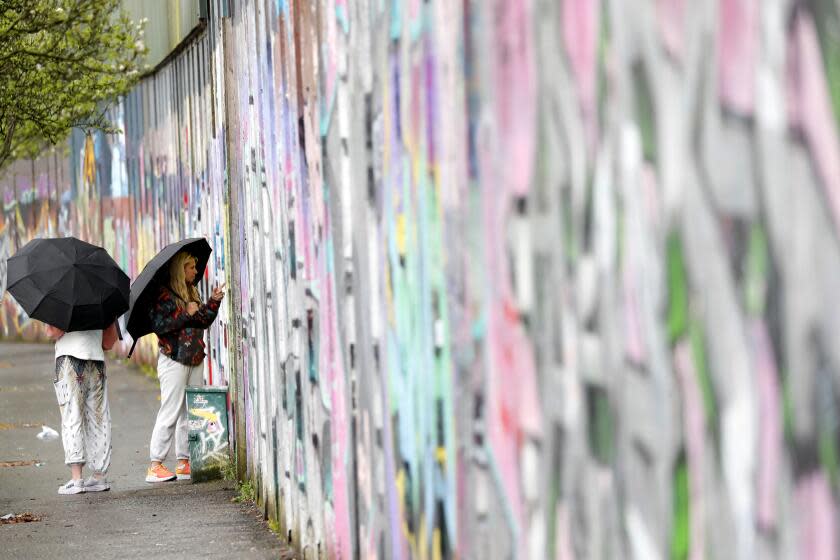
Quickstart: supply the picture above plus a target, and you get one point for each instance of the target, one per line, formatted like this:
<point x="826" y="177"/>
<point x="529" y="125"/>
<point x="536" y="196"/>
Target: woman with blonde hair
<point x="178" y="318"/>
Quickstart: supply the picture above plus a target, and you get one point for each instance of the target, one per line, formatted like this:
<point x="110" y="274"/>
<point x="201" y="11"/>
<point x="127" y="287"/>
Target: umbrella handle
<point x="133" y="344"/>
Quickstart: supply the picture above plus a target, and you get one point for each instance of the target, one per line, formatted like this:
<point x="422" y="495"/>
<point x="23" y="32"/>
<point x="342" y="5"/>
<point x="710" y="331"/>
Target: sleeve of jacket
<point x="205" y="315"/>
<point x="167" y="317"/>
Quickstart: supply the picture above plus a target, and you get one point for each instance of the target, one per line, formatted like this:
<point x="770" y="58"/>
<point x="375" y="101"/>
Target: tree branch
<point x="59" y="69"/>
<point x="6" y="150"/>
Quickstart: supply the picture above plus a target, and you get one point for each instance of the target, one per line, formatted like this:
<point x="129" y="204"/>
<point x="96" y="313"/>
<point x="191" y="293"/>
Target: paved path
<point x="133" y="519"/>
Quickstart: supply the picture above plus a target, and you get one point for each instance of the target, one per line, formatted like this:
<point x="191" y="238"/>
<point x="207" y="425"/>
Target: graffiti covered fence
<point x="508" y="278"/>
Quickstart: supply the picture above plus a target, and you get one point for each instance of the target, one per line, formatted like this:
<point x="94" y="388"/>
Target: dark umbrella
<point x="68" y="284"/>
<point x="156" y="273"/>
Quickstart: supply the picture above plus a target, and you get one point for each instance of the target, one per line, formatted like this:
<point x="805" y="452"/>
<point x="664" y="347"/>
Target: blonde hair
<point x="177" y="281"/>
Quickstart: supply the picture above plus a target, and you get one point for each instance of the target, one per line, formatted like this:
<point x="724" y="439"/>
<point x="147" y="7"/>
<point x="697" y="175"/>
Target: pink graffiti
<point x="581" y="21"/>
<point x="516" y="102"/>
<point x="634" y="344"/>
<point x="738" y="54"/>
<point x="817" y="518"/>
<point x="770" y="438"/>
<point x="330" y="361"/>
<point x="809" y="106"/>
<point x="671" y="23"/>
<point x="513" y="410"/>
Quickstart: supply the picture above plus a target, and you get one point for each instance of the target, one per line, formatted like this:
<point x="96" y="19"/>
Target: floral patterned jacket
<point x="181" y="335"/>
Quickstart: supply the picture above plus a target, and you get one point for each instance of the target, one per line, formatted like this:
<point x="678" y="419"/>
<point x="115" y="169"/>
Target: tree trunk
<point x="6" y="149"/>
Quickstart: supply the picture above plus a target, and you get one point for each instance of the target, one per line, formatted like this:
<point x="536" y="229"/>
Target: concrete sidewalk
<point x="132" y="520"/>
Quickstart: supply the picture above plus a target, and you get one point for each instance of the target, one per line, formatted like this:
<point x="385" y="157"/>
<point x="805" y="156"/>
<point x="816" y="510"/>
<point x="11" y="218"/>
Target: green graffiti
<point x="787" y="407"/>
<point x="645" y="114"/>
<point x="755" y="271"/>
<point x="828" y="456"/>
<point x="603" y="46"/>
<point x="677" y="290"/>
<point x="570" y="239"/>
<point x="704" y="379"/>
<point x="601" y="425"/>
<point x="681" y="536"/>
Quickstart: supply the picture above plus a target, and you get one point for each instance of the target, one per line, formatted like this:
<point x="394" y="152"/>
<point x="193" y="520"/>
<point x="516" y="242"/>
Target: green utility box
<point x="207" y="410"/>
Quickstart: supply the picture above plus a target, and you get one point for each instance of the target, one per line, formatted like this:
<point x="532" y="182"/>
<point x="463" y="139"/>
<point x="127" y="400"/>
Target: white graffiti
<point x="212" y="433"/>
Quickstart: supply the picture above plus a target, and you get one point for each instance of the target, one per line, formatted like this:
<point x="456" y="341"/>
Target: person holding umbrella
<point x="178" y="318"/>
<point x="78" y="290"/>
<point x="81" y="389"/>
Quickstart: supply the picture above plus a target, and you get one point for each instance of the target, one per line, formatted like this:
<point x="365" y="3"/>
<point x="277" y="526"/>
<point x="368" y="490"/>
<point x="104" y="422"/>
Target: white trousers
<point x="172" y="416"/>
<point x="82" y="392"/>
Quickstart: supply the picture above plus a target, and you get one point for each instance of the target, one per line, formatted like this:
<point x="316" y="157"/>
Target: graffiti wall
<point x="508" y="278"/>
<point x="160" y="181"/>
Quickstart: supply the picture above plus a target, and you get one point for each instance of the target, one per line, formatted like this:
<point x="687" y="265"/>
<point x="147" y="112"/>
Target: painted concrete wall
<point x="509" y="278"/>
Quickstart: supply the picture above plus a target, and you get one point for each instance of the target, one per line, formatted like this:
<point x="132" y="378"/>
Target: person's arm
<point x="109" y="337"/>
<point x="54" y="333"/>
<point x="205" y="315"/>
<point x="167" y="317"/>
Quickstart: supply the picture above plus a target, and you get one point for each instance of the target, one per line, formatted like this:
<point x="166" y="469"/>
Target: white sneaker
<point x="72" y="487"/>
<point x="93" y="484"/>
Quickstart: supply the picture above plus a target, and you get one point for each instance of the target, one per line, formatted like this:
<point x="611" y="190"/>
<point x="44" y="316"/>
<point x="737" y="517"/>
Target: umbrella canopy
<point x="68" y="283"/>
<point x="156" y="273"/>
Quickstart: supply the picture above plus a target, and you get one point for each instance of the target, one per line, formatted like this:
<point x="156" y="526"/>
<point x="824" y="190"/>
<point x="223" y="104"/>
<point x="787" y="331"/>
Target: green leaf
<point x="59" y="68"/>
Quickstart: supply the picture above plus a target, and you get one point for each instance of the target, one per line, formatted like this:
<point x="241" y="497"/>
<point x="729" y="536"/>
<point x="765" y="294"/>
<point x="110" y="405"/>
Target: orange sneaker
<point x="159" y="474"/>
<point x="182" y="471"/>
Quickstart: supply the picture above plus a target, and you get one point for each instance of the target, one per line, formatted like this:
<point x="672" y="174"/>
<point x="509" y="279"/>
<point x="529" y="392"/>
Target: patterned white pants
<point x="172" y="416"/>
<point x="82" y="392"/>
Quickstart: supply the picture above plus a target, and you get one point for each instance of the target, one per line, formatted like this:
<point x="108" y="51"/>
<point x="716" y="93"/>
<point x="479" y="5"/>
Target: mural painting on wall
<point x="514" y="279"/>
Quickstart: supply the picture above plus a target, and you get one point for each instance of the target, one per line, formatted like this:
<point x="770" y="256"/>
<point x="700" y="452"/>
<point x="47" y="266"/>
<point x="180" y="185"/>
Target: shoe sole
<point x="82" y="491"/>
<point x="183" y="476"/>
<point x="97" y="489"/>
<point x="154" y="479"/>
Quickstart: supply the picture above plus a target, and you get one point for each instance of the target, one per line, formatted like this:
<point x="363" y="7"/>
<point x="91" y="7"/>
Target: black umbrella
<point x="68" y="284"/>
<point x="156" y="273"/>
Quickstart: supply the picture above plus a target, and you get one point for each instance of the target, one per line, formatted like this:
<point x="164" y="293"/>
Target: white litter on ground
<point x="47" y="434"/>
